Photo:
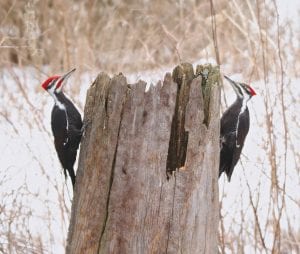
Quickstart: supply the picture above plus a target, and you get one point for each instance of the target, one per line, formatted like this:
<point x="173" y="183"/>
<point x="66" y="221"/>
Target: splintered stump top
<point x="148" y="166"/>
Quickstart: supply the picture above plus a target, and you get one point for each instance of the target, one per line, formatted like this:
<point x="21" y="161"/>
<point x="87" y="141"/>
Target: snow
<point x="288" y="9"/>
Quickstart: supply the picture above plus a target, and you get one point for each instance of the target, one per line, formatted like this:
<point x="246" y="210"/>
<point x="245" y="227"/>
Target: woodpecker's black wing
<point x="74" y="136"/>
<point x="243" y="127"/>
<point x="230" y="117"/>
<point x="59" y="126"/>
<point x="74" y="131"/>
<point x="242" y="131"/>
<point x="66" y="126"/>
<point x="232" y="141"/>
<point x="228" y="149"/>
<point x="74" y="116"/>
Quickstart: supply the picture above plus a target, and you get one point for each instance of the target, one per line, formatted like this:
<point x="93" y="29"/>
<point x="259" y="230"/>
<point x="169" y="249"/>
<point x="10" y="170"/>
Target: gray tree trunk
<point x="148" y="166"/>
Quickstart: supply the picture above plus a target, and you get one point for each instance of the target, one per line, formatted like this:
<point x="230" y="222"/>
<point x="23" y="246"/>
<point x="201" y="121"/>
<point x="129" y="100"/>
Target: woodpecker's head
<point x="242" y="90"/>
<point x="54" y="84"/>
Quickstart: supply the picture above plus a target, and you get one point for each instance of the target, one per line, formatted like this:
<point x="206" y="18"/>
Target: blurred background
<point x="254" y="41"/>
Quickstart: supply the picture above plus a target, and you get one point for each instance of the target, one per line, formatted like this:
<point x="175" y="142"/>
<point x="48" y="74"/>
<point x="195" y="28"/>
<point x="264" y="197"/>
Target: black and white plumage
<point x="234" y="128"/>
<point x="66" y="124"/>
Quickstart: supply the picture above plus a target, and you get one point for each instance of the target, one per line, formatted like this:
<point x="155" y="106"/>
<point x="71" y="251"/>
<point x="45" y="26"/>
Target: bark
<point x="148" y="166"/>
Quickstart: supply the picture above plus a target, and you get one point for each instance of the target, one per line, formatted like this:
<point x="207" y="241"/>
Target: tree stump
<point x="147" y="179"/>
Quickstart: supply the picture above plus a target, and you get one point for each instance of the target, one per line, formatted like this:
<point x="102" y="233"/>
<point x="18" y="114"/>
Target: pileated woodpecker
<point x="234" y="128"/>
<point x="66" y="124"/>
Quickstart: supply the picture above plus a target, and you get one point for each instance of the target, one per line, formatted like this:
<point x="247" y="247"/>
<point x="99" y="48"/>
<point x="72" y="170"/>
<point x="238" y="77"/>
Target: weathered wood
<point x="124" y="202"/>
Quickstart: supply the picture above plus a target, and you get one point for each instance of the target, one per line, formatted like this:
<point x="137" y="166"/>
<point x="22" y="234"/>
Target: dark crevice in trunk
<point x="172" y="216"/>
<point x="183" y="76"/>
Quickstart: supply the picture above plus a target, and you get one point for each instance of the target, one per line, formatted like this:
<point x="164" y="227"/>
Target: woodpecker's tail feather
<point x="72" y="176"/>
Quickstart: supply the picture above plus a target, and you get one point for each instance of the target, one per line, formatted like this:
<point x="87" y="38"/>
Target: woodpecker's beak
<point x="233" y="84"/>
<point x="62" y="80"/>
<point x="230" y="80"/>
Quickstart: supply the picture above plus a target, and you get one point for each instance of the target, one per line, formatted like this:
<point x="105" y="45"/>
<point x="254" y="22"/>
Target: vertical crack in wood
<point x="113" y="167"/>
<point x="183" y="76"/>
<point x="205" y="236"/>
<point x="172" y="216"/>
<point x="160" y="200"/>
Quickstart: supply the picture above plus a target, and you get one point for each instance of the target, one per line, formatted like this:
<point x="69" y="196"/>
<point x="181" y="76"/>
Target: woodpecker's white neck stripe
<point x="244" y="106"/>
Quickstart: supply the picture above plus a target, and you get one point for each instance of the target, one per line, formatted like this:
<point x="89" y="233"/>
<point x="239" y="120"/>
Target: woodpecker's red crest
<point x="48" y="82"/>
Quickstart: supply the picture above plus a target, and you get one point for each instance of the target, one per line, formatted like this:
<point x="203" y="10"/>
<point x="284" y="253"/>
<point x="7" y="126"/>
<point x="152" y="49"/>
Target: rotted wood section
<point x="148" y="166"/>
